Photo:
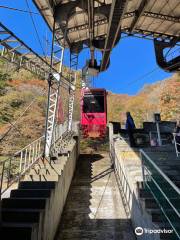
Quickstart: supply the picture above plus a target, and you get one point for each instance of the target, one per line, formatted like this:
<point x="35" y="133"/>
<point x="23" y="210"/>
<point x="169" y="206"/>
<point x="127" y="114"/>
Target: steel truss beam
<point x="127" y="15"/>
<point x="154" y="15"/>
<point x="168" y="65"/>
<point x="17" y="52"/>
<point x="85" y="26"/>
<point x="162" y="17"/>
<point x="72" y="88"/>
<point x="73" y="60"/>
<point x="71" y="100"/>
<point x="116" y="14"/>
<point x="54" y="79"/>
<point x="140" y="33"/>
<point x="138" y="14"/>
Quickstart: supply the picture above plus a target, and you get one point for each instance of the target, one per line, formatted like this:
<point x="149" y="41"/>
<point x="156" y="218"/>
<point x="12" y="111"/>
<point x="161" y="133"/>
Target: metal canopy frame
<point x="72" y="88"/>
<point x="114" y="30"/>
<point x="17" y="52"/>
<point x="54" y="79"/>
<point x="147" y="19"/>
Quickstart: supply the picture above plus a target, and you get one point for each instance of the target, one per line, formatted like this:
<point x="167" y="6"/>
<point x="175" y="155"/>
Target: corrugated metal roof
<point x="161" y="18"/>
<point x="100" y="23"/>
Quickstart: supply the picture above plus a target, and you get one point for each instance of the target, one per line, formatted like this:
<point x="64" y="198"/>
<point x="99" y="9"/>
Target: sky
<point x="132" y="63"/>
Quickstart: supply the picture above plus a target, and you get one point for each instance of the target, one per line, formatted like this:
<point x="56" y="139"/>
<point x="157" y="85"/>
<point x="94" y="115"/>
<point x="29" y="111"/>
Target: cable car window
<point x="93" y="104"/>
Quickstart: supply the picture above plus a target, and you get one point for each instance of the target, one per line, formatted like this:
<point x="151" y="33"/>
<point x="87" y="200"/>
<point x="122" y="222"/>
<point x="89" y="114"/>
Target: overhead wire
<point x="62" y="84"/>
<point x="148" y="73"/>
<point x="170" y="53"/>
<point x="143" y="76"/>
<point x="26" y="11"/>
<point x="36" y="13"/>
<point x="25" y="110"/>
<point x="31" y="12"/>
<point x="36" y="31"/>
<point x="20" y="116"/>
<point x="20" y="10"/>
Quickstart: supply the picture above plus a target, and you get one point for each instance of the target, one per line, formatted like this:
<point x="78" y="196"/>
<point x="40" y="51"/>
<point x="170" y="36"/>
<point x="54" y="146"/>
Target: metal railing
<point x="59" y="131"/>
<point x="176" y="143"/>
<point x="164" y="191"/>
<point x="13" y="168"/>
<point x="122" y="178"/>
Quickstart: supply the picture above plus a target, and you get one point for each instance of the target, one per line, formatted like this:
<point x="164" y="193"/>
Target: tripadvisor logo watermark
<point x="140" y="231"/>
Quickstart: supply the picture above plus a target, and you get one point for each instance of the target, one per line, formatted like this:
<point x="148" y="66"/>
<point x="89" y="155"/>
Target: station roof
<point x="143" y="18"/>
<point x="151" y="17"/>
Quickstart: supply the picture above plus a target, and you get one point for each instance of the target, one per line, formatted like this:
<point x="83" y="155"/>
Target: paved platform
<point x="94" y="208"/>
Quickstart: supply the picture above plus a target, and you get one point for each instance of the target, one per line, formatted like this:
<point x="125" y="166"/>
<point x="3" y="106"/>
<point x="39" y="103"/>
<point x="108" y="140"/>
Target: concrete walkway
<point x="94" y="208"/>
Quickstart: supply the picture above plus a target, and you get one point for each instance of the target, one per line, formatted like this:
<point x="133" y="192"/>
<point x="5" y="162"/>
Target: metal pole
<point x="159" y="134"/>
<point x="49" y="91"/>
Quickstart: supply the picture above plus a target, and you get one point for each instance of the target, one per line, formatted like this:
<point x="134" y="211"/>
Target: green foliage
<point x="11" y="103"/>
<point x="42" y="103"/>
<point x="4" y="77"/>
<point x="23" y="75"/>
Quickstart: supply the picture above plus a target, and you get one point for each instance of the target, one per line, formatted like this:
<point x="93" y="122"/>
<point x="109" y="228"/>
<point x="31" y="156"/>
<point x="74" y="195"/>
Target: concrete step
<point x="32" y="203"/>
<point x="41" y="178"/>
<point x="52" y="166"/>
<point x="165" y="236"/>
<point x="146" y="193"/>
<point x="151" y="203"/>
<point x="37" y="185"/>
<point x="167" y="225"/>
<point x="159" y="217"/>
<point x="21" y="215"/>
<point x="32" y="193"/>
<point x="19" y="231"/>
<point x="162" y="183"/>
<point x="48" y="170"/>
<point x="174" y="177"/>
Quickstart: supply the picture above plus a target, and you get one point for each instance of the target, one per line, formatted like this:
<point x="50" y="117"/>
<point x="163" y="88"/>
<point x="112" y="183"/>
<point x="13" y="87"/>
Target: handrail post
<point x="2" y="176"/>
<point x="9" y="171"/>
<point x="159" y="134"/>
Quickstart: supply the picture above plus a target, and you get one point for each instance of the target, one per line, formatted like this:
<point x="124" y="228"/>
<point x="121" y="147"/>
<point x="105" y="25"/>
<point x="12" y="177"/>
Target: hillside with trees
<point x="23" y="105"/>
<point x="162" y="97"/>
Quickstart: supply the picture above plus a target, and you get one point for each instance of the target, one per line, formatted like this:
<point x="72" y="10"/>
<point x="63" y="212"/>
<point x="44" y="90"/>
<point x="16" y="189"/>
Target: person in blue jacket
<point x="130" y="126"/>
<point x="177" y="137"/>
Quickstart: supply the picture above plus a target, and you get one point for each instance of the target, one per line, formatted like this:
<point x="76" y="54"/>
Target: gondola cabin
<point x="93" y="112"/>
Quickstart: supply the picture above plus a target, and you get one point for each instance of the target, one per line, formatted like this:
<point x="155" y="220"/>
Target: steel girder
<point x="151" y="35"/>
<point x="53" y="94"/>
<point x="138" y="14"/>
<point x="17" y="52"/>
<point x="127" y="15"/>
<point x="72" y="88"/>
<point x="168" y="65"/>
<point x="117" y="11"/>
<point x="144" y="12"/>
<point x="153" y="15"/>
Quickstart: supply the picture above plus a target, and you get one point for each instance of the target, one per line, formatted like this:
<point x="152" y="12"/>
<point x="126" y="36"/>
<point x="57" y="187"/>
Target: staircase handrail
<point x="148" y="174"/>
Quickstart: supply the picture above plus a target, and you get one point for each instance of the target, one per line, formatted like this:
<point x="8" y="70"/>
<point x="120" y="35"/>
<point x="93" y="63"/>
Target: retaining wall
<point x="128" y="169"/>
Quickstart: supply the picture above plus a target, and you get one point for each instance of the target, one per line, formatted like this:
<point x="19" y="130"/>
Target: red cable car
<point x="93" y="112"/>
